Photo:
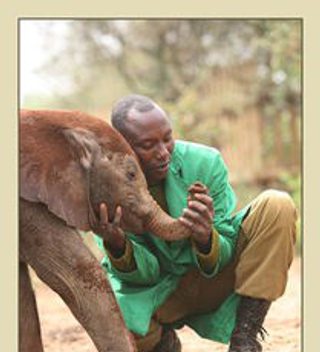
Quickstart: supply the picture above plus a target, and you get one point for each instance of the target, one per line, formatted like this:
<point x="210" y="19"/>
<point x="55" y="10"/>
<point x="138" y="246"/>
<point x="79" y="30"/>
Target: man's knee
<point x="279" y="204"/>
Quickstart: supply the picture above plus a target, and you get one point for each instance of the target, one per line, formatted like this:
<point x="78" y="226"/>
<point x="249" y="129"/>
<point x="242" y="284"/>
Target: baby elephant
<point x="70" y="162"/>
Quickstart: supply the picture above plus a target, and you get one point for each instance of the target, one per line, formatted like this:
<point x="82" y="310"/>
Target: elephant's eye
<point x="131" y="175"/>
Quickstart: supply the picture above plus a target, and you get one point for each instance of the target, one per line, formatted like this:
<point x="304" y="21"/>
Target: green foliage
<point x="245" y="193"/>
<point x="278" y="51"/>
<point x="292" y="184"/>
<point x="166" y="58"/>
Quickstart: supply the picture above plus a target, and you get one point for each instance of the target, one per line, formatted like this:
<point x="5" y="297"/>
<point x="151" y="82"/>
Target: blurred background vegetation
<point x="231" y="84"/>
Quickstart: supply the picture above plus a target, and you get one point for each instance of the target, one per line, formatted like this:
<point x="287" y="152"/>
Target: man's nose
<point x="163" y="152"/>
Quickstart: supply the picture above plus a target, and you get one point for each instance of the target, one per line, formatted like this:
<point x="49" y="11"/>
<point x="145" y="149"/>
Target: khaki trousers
<point x="264" y="253"/>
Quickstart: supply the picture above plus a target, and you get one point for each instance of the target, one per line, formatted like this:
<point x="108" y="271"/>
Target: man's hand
<point x="199" y="215"/>
<point x="113" y="236"/>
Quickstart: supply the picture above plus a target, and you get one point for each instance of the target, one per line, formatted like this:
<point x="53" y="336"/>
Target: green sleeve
<point x="207" y="262"/>
<point x="126" y="262"/>
<point x="224" y="202"/>
<point x="147" y="270"/>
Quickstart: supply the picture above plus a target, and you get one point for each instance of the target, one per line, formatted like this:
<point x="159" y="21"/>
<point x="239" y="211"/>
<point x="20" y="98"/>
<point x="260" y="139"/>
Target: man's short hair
<point x="123" y="106"/>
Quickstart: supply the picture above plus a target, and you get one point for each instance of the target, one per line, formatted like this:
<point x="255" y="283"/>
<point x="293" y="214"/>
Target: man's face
<point x="150" y="135"/>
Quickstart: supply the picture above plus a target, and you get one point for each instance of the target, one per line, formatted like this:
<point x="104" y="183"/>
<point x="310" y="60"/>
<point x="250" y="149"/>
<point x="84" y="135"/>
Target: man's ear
<point x="83" y="145"/>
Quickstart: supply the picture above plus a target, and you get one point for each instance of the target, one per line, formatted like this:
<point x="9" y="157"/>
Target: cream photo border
<point x="10" y="14"/>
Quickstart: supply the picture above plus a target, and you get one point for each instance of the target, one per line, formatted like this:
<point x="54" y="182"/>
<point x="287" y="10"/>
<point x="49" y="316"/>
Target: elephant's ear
<point x="83" y="145"/>
<point x="56" y="174"/>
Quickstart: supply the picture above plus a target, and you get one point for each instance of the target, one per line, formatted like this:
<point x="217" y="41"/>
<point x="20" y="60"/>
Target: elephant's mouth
<point x="132" y="222"/>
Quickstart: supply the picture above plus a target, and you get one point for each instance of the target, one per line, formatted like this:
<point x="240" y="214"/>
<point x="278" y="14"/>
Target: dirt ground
<point x="62" y="333"/>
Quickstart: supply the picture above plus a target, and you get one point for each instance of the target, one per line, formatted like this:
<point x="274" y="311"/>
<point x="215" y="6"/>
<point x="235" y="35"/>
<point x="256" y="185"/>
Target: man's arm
<point x="128" y="259"/>
<point x="208" y="257"/>
<point x="199" y="218"/>
<point x="209" y="217"/>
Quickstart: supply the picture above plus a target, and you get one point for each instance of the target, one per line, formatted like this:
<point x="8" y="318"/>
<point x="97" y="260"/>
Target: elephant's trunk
<point x="164" y="226"/>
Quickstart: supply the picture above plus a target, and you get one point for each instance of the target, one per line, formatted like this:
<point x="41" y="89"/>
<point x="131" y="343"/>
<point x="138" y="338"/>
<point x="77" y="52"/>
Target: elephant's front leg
<point x="63" y="262"/>
<point x="29" y="327"/>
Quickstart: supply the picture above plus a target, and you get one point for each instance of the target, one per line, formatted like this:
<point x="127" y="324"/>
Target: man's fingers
<point x="203" y="206"/>
<point x="117" y="216"/>
<point x="104" y="216"/>
<point x="197" y="228"/>
<point x="104" y="220"/>
<point x="198" y="207"/>
<point x="199" y="213"/>
<point x="187" y="223"/>
<point x="204" y="199"/>
<point x="198" y="187"/>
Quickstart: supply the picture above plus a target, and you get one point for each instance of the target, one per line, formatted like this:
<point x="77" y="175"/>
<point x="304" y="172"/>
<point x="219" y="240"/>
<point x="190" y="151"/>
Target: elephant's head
<point x="72" y="162"/>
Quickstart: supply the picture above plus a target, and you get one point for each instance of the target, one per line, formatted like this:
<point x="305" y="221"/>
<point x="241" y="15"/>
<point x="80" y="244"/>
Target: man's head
<point x="148" y="130"/>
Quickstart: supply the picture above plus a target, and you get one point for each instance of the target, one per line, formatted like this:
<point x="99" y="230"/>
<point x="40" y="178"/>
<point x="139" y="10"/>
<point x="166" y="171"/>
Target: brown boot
<point x="169" y="342"/>
<point x="250" y="317"/>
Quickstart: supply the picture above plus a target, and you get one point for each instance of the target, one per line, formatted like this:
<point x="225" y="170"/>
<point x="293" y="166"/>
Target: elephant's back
<point x="45" y="128"/>
<point x="43" y="139"/>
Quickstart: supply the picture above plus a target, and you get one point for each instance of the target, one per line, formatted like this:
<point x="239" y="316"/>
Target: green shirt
<point x="159" y="265"/>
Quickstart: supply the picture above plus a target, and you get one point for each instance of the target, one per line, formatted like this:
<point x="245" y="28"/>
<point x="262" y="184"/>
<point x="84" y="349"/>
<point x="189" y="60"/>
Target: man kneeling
<point x="222" y="280"/>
